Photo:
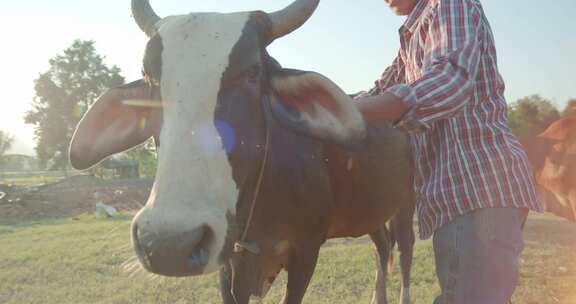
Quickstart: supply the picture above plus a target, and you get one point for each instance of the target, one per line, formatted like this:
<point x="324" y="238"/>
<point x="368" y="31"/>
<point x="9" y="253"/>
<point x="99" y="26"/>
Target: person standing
<point x="473" y="182"/>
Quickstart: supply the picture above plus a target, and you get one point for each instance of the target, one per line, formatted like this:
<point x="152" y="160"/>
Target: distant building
<point x="18" y="162"/>
<point x="123" y="168"/>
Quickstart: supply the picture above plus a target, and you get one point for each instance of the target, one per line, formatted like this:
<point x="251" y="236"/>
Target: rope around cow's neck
<point x="242" y="245"/>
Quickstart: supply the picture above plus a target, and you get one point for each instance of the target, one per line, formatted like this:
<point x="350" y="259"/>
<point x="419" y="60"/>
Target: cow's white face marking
<point x="194" y="184"/>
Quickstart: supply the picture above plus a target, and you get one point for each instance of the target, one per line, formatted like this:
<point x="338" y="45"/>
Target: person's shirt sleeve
<point x="451" y="59"/>
<point x="391" y="76"/>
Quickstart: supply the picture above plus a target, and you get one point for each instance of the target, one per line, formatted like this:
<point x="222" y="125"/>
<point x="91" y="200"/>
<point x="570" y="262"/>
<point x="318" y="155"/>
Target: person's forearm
<point x="385" y="107"/>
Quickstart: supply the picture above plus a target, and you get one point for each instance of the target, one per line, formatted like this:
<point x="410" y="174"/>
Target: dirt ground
<point x="70" y="197"/>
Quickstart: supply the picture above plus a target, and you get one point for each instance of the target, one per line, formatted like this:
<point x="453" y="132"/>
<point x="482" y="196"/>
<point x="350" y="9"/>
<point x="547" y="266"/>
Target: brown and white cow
<point x="250" y="153"/>
<point x="553" y="158"/>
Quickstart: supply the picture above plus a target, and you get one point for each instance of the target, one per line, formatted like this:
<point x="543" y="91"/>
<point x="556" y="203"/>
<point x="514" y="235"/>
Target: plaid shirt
<point x="466" y="157"/>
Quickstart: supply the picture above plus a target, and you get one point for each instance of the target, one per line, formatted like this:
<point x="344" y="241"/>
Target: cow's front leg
<point x="572" y="202"/>
<point x="300" y="269"/>
<point x="226" y="285"/>
<point x="381" y="241"/>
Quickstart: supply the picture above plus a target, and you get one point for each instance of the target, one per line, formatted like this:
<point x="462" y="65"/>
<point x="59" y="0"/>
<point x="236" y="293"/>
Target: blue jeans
<point x="477" y="256"/>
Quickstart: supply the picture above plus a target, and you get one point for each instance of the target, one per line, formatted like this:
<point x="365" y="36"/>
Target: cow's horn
<point x="145" y="16"/>
<point x="292" y="17"/>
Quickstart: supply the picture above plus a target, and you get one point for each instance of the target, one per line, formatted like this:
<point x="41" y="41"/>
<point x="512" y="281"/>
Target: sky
<point x="351" y="42"/>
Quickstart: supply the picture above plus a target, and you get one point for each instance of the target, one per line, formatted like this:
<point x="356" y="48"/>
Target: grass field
<point x="79" y="261"/>
<point x="31" y="178"/>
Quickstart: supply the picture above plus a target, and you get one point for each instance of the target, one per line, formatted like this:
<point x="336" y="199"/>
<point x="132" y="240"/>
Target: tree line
<point x="531" y="115"/>
<point x="79" y="75"/>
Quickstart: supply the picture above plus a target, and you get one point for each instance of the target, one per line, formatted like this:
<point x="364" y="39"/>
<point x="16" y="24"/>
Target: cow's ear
<point x="314" y="105"/>
<point x="120" y="119"/>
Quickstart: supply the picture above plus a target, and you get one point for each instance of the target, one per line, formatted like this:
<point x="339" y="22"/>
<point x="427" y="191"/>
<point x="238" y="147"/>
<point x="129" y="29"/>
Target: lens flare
<point x="227" y="135"/>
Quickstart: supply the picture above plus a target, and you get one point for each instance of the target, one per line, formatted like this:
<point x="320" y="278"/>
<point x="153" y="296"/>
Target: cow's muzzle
<point x="181" y="254"/>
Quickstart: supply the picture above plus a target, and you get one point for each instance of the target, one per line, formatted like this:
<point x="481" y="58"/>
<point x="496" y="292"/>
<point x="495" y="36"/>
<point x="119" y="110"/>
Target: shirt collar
<point x="412" y="20"/>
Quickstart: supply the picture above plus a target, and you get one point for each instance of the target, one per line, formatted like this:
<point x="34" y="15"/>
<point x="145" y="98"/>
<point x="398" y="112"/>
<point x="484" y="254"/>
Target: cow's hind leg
<point x="300" y="270"/>
<point x="403" y="231"/>
<point x="381" y="239"/>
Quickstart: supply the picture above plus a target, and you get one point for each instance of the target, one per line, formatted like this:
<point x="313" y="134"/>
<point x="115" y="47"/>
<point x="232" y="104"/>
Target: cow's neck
<point x="536" y="149"/>
<point x="247" y="160"/>
<point x="287" y="178"/>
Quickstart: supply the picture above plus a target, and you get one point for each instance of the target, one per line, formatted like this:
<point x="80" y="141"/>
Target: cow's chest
<point x="365" y="195"/>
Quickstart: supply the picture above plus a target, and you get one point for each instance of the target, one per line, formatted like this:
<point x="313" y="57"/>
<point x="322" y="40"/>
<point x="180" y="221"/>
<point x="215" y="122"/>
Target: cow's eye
<point x="253" y="74"/>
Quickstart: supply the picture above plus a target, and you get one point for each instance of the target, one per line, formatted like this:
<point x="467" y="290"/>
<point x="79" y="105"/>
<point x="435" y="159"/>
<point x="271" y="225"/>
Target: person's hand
<point x="386" y="107"/>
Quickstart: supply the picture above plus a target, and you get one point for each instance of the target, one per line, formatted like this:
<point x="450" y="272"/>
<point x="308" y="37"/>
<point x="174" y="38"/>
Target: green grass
<point x="30" y="180"/>
<point x="79" y="261"/>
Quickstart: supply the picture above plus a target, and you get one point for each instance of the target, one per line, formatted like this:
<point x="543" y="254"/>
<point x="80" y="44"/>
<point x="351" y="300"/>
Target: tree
<point x="63" y="93"/>
<point x="6" y="141"/>
<point x="531" y="115"/>
<point x="570" y="108"/>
